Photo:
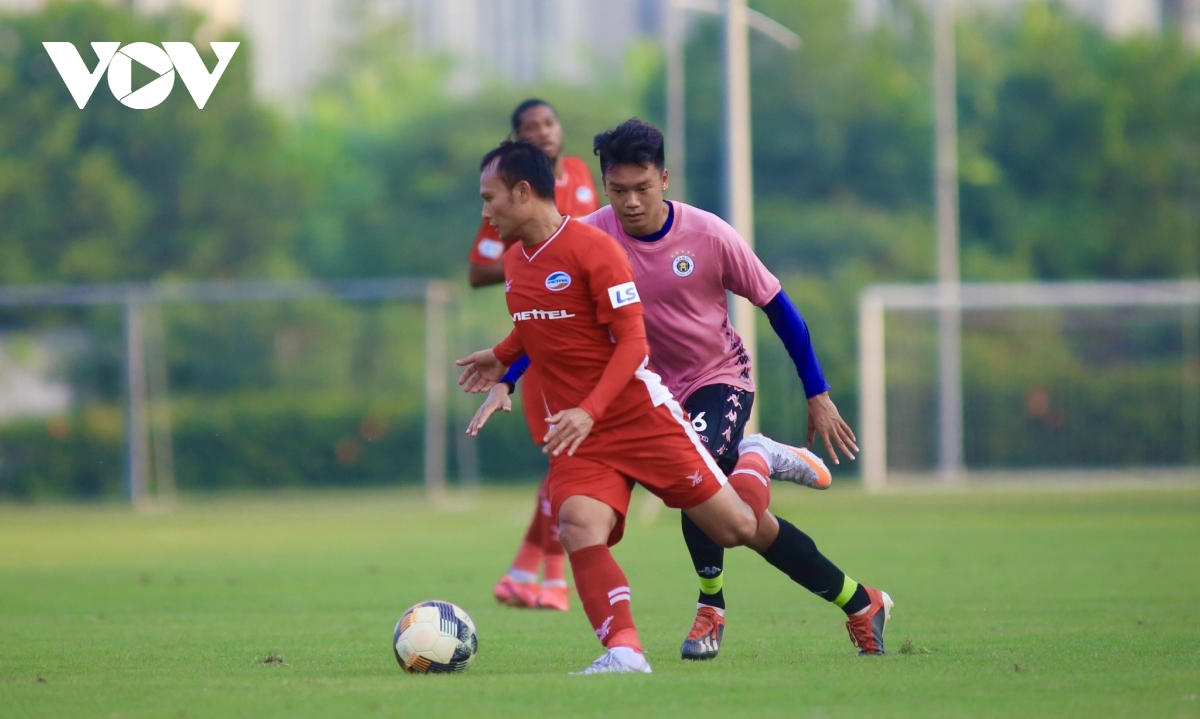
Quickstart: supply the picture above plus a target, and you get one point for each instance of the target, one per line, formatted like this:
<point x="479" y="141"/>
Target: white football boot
<point x="619" y="660"/>
<point x="789" y="464"/>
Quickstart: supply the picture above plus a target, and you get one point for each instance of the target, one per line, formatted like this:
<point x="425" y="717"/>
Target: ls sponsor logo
<point x="623" y="294"/>
<point x="118" y="62"/>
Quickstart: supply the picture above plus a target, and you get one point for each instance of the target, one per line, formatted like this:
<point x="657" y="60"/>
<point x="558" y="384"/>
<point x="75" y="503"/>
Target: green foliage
<point x="269" y="441"/>
<point x="1083" y="152"/>
<point x="393" y="144"/>
<point x="1079" y="158"/>
<point x="106" y="193"/>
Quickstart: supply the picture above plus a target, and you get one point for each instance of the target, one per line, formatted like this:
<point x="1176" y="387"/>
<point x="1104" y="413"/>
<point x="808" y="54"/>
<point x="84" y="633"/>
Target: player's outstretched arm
<point x="481" y="371"/>
<point x="825" y="420"/>
<point x="498" y="400"/>
<point x="823" y="416"/>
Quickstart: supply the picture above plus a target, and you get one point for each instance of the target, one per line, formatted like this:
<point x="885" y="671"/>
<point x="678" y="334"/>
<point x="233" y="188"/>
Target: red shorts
<point x="534" y="406"/>
<point x="658" y="450"/>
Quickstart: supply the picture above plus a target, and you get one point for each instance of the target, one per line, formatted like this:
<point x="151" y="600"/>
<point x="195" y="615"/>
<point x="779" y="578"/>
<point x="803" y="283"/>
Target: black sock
<point x="712" y="600"/>
<point x="708" y="558"/>
<point x="860" y="601"/>
<point x="795" y="554"/>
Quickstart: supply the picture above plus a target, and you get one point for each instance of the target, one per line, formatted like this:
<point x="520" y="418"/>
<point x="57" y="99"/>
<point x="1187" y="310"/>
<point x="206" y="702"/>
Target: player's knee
<point x="577" y="533"/>
<point x="732" y="534"/>
<point x="743" y="531"/>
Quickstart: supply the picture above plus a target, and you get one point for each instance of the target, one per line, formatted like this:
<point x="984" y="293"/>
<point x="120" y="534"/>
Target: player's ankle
<point x="625" y="639"/>
<point x="520" y="576"/>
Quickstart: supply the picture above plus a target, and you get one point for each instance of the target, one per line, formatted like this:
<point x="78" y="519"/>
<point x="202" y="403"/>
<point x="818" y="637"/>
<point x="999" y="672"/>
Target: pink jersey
<point x="682" y="279"/>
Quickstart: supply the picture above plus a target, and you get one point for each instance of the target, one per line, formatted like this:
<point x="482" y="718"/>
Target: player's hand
<point x="497" y="400"/>
<point x="482" y="371"/>
<point x="567" y="430"/>
<point x="824" y="419"/>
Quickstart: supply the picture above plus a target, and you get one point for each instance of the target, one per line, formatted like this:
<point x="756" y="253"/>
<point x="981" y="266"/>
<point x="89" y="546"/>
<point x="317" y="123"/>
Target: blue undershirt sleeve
<point x="789" y="325"/>
<point x="515" y="371"/>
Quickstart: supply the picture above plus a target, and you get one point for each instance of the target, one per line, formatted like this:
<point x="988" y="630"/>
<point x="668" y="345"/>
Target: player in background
<point x="577" y="315"/>
<point x="685" y="260"/>
<point x="536" y="122"/>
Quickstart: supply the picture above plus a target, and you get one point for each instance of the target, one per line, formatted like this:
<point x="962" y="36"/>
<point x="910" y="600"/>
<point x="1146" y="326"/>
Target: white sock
<point x="520" y="576"/>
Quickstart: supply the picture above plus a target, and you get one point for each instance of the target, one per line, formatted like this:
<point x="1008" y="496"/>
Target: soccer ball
<point x="435" y="638"/>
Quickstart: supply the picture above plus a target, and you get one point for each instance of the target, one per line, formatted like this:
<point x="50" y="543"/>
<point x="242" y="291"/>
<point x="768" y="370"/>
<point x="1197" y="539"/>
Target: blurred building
<point x="1118" y="17"/>
<point x="521" y="41"/>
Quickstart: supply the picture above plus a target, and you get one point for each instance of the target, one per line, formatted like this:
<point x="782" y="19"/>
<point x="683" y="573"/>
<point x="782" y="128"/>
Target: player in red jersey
<point x="536" y="122"/>
<point x="577" y="315"/>
<point x="685" y="261"/>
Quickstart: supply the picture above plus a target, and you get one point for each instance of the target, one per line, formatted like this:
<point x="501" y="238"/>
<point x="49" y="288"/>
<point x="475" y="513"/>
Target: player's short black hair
<point x="528" y="105"/>
<point x="517" y="160"/>
<point x="633" y="142"/>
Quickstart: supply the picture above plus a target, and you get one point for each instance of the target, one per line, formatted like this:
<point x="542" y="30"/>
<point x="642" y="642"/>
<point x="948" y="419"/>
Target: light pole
<point x="950" y="407"/>
<point x="739" y="176"/>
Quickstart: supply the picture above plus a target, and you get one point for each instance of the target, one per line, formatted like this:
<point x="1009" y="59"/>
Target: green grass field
<point x="1016" y="604"/>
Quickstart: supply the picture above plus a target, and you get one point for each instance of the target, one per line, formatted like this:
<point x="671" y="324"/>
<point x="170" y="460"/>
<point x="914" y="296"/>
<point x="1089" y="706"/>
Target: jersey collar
<point x="545" y="244"/>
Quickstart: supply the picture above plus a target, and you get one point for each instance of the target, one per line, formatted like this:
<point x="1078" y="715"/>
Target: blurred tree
<point x="108" y="193"/>
<point x="1084" y="150"/>
<point x="392" y="145"/>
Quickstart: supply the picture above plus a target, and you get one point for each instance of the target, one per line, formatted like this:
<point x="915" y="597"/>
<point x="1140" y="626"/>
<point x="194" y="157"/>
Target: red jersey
<point x="562" y="294"/>
<point x="574" y="196"/>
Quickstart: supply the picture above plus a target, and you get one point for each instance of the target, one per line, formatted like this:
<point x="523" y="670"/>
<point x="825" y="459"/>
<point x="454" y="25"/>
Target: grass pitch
<point x="1008" y="604"/>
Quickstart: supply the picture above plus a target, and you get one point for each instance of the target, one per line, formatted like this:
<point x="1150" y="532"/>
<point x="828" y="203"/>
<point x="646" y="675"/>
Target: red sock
<point x="555" y="558"/>
<point x="604" y="592"/>
<point x="529" y="557"/>
<point x="751" y="479"/>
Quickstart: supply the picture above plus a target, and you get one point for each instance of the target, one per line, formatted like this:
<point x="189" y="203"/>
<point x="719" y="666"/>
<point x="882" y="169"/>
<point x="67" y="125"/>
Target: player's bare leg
<point x="726" y="518"/>
<point x="585" y="525"/>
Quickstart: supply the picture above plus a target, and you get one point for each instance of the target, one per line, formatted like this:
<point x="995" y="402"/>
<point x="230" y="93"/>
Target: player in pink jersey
<point x="685" y="259"/>
<point x="536" y="122"/>
<point x="577" y="314"/>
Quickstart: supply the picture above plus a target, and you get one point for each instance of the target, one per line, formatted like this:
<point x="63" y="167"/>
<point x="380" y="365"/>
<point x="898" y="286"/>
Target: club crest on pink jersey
<point x="684" y="264"/>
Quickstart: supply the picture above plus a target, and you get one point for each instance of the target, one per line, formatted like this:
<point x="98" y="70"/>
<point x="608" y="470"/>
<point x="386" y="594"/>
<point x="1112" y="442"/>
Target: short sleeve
<point x="610" y="280"/>
<point x="742" y="273"/>
<point x="487" y="248"/>
<point x="582" y="199"/>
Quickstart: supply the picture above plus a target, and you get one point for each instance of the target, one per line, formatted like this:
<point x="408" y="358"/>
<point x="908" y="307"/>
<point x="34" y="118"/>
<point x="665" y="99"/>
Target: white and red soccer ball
<point x="435" y="637"/>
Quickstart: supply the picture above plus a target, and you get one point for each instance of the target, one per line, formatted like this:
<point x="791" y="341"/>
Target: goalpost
<point x="149" y="460"/>
<point x="1089" y="377"/>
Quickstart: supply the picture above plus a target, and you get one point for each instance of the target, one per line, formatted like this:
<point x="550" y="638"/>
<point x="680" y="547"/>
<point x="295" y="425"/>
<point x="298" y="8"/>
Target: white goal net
<point x="227" y="385"/>
<point x="1081" y="379"/>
